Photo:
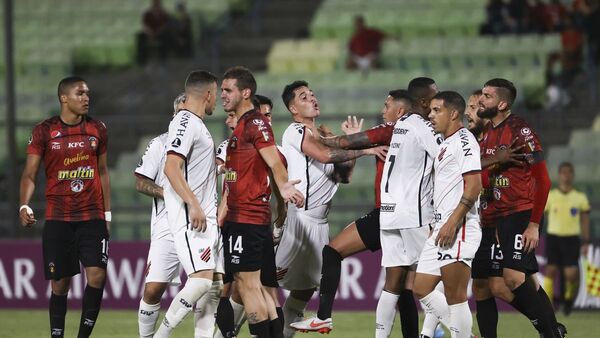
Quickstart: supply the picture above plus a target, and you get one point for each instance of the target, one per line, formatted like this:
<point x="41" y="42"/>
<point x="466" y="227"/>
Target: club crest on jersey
<point x="76" y="186"/>
<point x="258" y="122"/>
<point x="51" y="267"/>
<point x="497" y="194"/>
<point x="55" y="134"/>
<point x="525" y="131"/>
<point x="441" y="154"/>
<point x="93" y="142"/>
<point x="176" y="143"/>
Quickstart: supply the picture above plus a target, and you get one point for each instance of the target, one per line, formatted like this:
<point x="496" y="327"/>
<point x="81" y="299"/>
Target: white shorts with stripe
<point x="402" y="247"/>
<point x="197" y="250"/>
<point x="299" y="255"/>
<point x="162" y="265"/>
<point x="433" y="258"/>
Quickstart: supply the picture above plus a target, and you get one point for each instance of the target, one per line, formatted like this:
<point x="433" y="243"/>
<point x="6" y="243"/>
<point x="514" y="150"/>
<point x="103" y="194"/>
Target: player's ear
<point x="246" y="93"/>
<point x="63" y="98"/>
<point x="502" y="105"/>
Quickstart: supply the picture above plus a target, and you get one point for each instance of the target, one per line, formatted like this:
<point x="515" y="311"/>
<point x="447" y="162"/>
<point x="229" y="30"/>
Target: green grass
<point x="121" y="324"/>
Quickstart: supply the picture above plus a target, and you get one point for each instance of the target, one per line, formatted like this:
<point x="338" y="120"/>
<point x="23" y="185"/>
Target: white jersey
<point x="407" y="182"/>
<point x="317" y="183"/>
<point x="151" y="166"/>
<point x="190" y="139"/>
<point x="458" y="155"/>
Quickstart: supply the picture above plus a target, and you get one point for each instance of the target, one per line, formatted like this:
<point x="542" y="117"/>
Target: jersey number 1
<point x="392" y="161"/>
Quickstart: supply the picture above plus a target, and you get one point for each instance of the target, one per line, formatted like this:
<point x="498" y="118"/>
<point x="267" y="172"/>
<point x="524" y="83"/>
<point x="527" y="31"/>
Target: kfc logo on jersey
<point x="55" y="134"/>
<point x="72" y="145"/>
<point x="442" y="152"/>
<point x="55" y="145"/>
<point x="93" y="142"/>
<point x="77" y="186"/>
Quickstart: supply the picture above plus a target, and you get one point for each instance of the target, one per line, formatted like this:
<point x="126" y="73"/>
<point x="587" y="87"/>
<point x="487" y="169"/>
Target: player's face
<point x="439" y="116"/>
<point x="433" y="90"/>
<point x="212" y="99"/>
<point x="305" y="103"/>
<point x="390" y="110"/>
<point x="265" y="109"/>
<point x="488" y="103"/>
<point x="77" y="98"/>
<point x="231" y="120"/>
<point x="474" y="122"/>
<point x="231" y="95"/>
<point x="566" y="176"/>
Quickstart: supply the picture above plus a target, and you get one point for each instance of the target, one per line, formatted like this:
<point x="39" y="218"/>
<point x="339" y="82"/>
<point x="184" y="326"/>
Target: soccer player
<point x="520" y="194"/>
<point x="191" y="196"/>
<point x="251" y="152"/>
<point x="568" y="234"/>
<point x="73" y="148"/>
<point x="421" y="91"/>
<point x="306" y="230"/>
<point x="456" y="233"/>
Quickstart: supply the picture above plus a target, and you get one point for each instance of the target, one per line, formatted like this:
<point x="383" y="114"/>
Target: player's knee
<point x="571" y="274"/>
<point x="481" y="289"/>
<point x="513" y="282"/>
<point x="153" y="292"/>
<point x="550" y="270"/>
<point x="455" y="296"/>
<point x="500" y="290"/>
<point x="61" y="286"/>
<point x="95" y="277"/>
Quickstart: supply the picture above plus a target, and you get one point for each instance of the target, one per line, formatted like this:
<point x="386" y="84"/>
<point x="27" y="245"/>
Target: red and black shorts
<point x="368" y="228"/>
<point x="249" y="247"/>
<point x="66" y="244"/>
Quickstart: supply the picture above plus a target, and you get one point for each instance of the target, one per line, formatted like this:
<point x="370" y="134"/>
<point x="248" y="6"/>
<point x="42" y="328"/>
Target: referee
<point x="568" y="212"/>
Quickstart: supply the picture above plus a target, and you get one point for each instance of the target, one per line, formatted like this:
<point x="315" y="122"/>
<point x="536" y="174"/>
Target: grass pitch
<point x="122" y="324"/>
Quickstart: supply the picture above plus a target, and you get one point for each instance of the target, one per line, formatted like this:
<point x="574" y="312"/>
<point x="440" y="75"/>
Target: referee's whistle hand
<point x="27" y="218"/>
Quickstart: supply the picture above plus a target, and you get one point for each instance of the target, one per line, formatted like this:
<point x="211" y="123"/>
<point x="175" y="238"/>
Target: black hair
<point x="452" y="100"/>
<point x="507" y="90"/>
<point x="243" y="76"/>
<point x="65" y="84"/>
<point x="402" y="96"/>
<point x="288" y="92"/>
<point x="199" y="78"/>
<point x="261" y="99"/>
<point x="419" y="87"/>
<point x="566" y="164"/>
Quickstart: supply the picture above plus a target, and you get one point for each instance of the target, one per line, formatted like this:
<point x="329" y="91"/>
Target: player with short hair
<point x="421" y="91"/>
<point x="456" y="232"/>
<point x="73" y="147"/>
<point x="568" y="234"/>
<point x="191" y="196"/>
<point x="519" y="193"/>
<point x="306" y="230"/>
<point x="251" y="154"/>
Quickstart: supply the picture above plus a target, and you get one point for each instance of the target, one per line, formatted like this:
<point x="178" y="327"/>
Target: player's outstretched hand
<point x="379" y="151"/>
<point x="352" y="125"/>
<point x="27" y="217"/>
<point x="291" y="194"/>
<point x="512" y="154"/>
<point x="531" y="237"/>
<point x="197" y="218"/>
<point x="446" y="237"/>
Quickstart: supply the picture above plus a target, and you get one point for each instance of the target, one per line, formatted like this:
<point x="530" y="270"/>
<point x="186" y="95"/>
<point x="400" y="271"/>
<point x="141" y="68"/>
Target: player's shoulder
<point x="519" y="125"/>
<point x="294" y="129"/>
<point x="95" y="122"/>
<point x="417" y="121"/>
<point x="160" y="140"/>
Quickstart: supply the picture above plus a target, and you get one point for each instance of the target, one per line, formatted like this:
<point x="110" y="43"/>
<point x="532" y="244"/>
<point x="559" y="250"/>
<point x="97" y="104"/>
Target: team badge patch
<point x="176" y="143"/>
<point x="525" y="131"/>
<point x="93" y="142"/>
<point x="76" y="185"/>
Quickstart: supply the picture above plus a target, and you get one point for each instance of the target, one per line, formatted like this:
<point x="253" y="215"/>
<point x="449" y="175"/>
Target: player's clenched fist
<point x="291" y="194"/>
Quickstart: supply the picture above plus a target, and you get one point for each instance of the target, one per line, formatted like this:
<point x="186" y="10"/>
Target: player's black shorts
<point x="368" y="228"/>
<point x="563" y="250"/>
<point x="488" y="258"/>
<point x="65" y="244"/>
<point x="510" y="234"/>
<point x="249" y="247"/>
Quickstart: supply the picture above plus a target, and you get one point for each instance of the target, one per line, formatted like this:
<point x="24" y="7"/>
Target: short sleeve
<point x="468" y="155"/>
<point x="222" y="151"/>
<point x="103" y="143"/>
<point x="181" y="135"/>
<point x="585" y="203"/>
<point x="293" y="137"/>
<point x="259" y="132"/>
<point x="381" y="134"/>
<point x="149" y="164"/>
<point x="37" y="141"/>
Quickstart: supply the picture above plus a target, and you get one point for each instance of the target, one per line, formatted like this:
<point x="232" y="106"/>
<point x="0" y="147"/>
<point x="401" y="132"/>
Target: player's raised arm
<point x="325" y="154"/>
<point x="32" y="165"/>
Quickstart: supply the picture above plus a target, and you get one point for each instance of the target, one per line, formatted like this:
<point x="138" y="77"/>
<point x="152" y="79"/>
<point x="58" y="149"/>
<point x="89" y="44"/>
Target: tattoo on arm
<point x="467" y="202"/>
<point x="341" y="155"/>
<point x="353" y="141"/>
<point x="252" y="317"/>
<point x="147" y="187"/>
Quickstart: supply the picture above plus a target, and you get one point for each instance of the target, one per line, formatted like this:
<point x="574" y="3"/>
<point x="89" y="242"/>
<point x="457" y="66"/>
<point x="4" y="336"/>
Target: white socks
<point x="293" y="311"/>
<point x="461" y="320"/>
<point x="430" y="323"/>
<point x="182" y="305"/>
<point x="204" y="313"/>
<point x="147" y="317"/>
<point x="435" y="302"/>
<point x="386" y="312"/>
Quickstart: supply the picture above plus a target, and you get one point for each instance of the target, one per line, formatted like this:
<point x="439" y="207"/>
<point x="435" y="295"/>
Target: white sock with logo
<point x="204" y="312"/>
<point x="182" y="305"/>
<point x="461" y="320"/>
<point x="435" y="302"/>
<point x="147" y="317"/>
<point x="430" y="323"/>
<point x="385" y="314"/>
<point x="293" y="311"/>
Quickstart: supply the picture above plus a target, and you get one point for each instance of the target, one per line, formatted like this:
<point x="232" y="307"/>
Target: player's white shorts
<point x="402" y="247"/>
<point x="197" y="250"/>
<point x="162" y="265"/>
<point x="299" y="255"/>
<point x="220" y="258"/>
<point x="433" y="258"/>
